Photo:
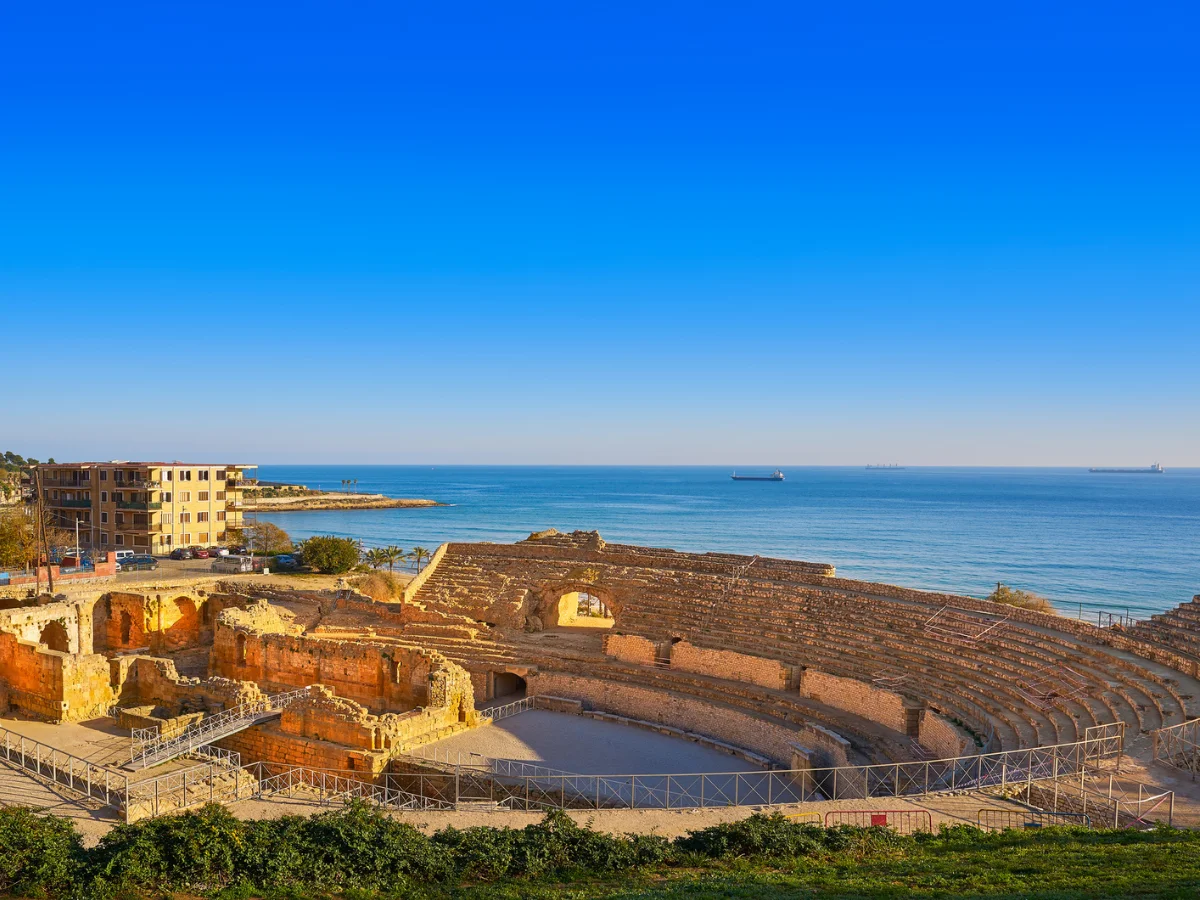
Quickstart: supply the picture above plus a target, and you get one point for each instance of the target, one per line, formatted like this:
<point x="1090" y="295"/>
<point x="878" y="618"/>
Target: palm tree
<point x="418" y="554"/>
<point x="393" y="555"/>
<point x="356" y="485"/>
<point x="376" y="558"/>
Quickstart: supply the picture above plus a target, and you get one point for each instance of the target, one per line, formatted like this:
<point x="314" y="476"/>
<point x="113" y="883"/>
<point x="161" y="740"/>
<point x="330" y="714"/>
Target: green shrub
<point x="757" y="835"/>
<point x="330" y="555"/>
<point x="194" y="850"/>
<point x="40" y="856"/>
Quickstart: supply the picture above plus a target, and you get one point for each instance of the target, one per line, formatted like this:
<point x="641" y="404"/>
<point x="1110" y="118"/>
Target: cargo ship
<point x="774" y="476"/>
<point x="1155" y="469"/>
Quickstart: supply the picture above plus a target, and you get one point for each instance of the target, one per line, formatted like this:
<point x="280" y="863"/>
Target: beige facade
<point x="147" y="507"/>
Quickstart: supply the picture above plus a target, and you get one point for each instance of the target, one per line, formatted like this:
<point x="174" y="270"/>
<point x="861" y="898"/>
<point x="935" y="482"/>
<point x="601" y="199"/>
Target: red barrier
<point x="903" y="821"/>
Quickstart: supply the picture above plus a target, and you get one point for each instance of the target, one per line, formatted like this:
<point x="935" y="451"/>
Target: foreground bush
<point x="330" y="555"/>
<point x="359" y="851"/>
<point x="381" y="586"/>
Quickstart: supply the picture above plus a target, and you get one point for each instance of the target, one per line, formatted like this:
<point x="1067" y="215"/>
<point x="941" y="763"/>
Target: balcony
<point x="73" y="504"/>
<point x="136" y="504"/>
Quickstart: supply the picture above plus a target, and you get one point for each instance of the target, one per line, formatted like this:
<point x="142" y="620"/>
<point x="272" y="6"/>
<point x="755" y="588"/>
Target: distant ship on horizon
<point x="774" y="476"/>
<point x="1155" y="469"/>
<point x="887" y="466"/>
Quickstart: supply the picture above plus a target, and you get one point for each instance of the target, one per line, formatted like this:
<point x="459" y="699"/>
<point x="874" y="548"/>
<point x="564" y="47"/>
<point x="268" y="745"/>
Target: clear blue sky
<point x="775" y="233"/>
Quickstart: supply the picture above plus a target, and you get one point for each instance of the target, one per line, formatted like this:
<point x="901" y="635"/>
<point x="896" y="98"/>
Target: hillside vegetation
<point x="362" y="853"/>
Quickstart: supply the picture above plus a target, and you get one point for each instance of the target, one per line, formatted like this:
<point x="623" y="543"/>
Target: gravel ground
<point x="587" y="747"/>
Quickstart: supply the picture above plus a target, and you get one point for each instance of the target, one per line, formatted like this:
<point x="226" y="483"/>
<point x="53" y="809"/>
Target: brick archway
<point x="54" y="635"/>
<point x="559" y="601"/>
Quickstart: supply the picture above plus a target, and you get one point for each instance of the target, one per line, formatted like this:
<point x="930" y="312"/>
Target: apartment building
<point x="149" y="507"/>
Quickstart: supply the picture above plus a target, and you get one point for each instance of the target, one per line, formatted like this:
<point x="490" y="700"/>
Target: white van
<point x="123" y="555"/>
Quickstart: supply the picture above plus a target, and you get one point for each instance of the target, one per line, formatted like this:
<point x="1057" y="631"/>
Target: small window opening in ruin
<point x="54" y="636"/>
<point x="241" y="650"/>
<point x="126" y="627"/>
<point x="350" y="763"/>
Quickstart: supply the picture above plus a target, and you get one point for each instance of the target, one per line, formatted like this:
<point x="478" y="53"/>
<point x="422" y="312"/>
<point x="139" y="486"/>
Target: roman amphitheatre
<point x="566" y="671"/>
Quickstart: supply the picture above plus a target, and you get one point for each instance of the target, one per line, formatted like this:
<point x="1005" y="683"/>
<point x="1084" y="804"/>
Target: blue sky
<point x="635" y="233"/>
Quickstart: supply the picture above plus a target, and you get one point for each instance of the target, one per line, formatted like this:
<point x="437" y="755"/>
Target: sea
<point x="1091" y="543"/>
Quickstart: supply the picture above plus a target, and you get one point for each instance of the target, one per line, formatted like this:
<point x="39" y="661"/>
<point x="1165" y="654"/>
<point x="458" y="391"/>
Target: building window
<point x="119" y="496"/>
<point x="185" y="475"/>
<point x="56" y="495"/>
<point x="220" y="474"/>
<point x="185" y="496"/>
<point x="221" y="515"/>
<point x="220" y="495"/>
<point x="103" y="518"/>
<point x="170" y="474"/>
<point x="202" y="496"/>
<point x="87" y="475"/>
<point x="139" y="540"/>
<point x="166" y="496"/>
<point x="167" y="518"/>
<point x="104" y="475"/>
<point x="201" y="517"/>
<point x="120" y="518"/>
<point x="103" y="540"/>
<point x="220" y="537"/>
<point x="185" y="538"/>
<point x="203" y="475"/>
<point x="204" y="537"/>
<point x="185" y="517"/>
<point x="104" y="496"/>
<point x="120" y="539"/>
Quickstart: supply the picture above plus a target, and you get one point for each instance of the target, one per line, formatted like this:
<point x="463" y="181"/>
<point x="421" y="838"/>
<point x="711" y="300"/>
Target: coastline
<point x="331" y="500"/>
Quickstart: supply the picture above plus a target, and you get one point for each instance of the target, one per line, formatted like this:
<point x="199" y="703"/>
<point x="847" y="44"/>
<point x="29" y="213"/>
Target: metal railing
<point x="1178" y="746"/>
<point x="213" y="728"/>
<point x="77" y="775"/>
<point x="1009" y="770"/>
<point x="903" y="821"/>
<point x="510" y="709"/>
<point x="990" y="819"/>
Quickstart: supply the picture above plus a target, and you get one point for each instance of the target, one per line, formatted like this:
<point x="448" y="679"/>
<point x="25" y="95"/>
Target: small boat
<point x="774" y="476"/>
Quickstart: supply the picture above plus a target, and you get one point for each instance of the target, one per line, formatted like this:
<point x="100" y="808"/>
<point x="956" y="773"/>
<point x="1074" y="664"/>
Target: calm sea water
<point x="1106" y="541"/>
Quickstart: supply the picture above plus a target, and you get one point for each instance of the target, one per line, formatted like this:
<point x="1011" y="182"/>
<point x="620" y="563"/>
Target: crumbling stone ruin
<point x="780" y="661"/>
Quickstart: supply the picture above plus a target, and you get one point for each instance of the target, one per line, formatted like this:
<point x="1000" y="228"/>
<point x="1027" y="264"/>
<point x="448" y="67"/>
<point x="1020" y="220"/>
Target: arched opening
<point x="580" y="609"/>
<point x="126" y="628"/>
<point x="183" y="628"/>
<point x="241" y="649"/>
<point x="508" y="685"/>
<point x="54" y="636"/>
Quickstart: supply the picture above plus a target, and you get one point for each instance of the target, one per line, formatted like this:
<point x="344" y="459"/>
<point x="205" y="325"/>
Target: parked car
<point x="217" y="551"/>
<point x="124" y="555"/>
<point x="181" y="553"/>
<point x="138" y="564"/>
<point x="286" y="561"/>
<point x="201" y="553"/>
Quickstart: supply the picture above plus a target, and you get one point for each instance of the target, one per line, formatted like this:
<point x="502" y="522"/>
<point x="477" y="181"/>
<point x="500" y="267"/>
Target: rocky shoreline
<point x="314" y="501"/>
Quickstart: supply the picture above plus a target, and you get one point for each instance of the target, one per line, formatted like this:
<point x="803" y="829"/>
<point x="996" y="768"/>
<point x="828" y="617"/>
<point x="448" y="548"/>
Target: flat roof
<point x="133" y="462"/>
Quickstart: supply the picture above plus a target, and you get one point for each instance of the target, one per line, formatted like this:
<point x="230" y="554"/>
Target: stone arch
<point x="54" y="635"/>
<point x="559" y="602"/>
<point x="240" y="643"/>
<point x="508" y="686"/>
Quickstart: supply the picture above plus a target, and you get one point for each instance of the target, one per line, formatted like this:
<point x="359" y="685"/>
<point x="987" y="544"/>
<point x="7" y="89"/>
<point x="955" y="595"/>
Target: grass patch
<point x="358" y="852"/>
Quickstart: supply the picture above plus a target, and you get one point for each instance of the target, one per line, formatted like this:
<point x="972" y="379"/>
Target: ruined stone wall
<point x="147" y="679"/>
<point x="162" y="622"/>
<point x="768" y="673"/>
<point x="942" y="738"/>
<point x="268" y="743"/>
<point x="630" y="648"/>
<point x="60" y="687"/>
<point x="876" y="704"/>
<point x="692" y="714"/>
<point x="28" y="623"/>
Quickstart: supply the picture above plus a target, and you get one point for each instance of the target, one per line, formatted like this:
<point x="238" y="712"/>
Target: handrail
<point x="80" y="775"/>
<point x="210" y="729"/>
<point x="1004" y="769"/>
